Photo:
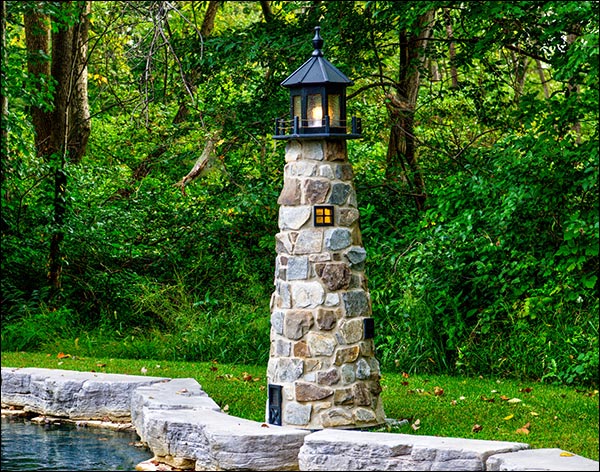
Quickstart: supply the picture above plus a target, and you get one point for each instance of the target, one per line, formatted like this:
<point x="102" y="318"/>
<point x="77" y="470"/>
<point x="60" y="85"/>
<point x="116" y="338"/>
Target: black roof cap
<point x="317" y="70"/>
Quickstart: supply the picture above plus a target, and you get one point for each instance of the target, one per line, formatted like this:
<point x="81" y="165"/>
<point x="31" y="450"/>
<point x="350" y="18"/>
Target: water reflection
<point x="27" y="446"/>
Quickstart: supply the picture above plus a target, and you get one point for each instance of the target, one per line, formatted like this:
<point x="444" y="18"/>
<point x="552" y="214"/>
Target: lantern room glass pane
<point x="297" y="105"/>
<point x="333" y="110"/>
<point x="314" y="110"/>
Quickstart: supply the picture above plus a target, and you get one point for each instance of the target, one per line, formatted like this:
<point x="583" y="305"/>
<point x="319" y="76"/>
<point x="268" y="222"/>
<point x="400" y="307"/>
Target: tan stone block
<point x="343" y="396"/>
<point x="346" y="355"/>
<point x="291" y="194"/>
<point x="336" y="418"/>
<point x="351" y="330"/>
<point x="320" y="345"/>
<point x="297" y="323"/>
<point x="313" y="150"/>
<point x="293" y="151"/>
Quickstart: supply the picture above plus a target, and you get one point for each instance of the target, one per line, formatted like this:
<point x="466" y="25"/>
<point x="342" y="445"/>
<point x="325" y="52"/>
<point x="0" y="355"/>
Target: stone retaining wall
<point x="186" y="429"/>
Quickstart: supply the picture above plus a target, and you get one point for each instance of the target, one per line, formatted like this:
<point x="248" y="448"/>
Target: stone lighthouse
<point x="322" y="370"/>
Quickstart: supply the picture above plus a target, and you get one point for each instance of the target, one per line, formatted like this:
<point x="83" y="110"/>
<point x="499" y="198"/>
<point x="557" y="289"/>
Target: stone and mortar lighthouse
<point x="322" y="370"/>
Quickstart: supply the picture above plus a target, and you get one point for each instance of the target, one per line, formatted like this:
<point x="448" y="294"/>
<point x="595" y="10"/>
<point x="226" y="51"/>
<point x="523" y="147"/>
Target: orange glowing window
<point x="323" y="215"/>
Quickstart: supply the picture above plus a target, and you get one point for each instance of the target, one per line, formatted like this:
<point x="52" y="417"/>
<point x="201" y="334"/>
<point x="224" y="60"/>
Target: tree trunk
<point x="266" y="9"/>
<point x="208" y="23"/>
<point x="452" y="49"/>
<point x="37" y="39"/>
<point x="401" y="154"/>
<point x="543" y="80"/>
<point x="79" y="109"/>
<point x="70" y="121"/>
<point x="3" y="93"/>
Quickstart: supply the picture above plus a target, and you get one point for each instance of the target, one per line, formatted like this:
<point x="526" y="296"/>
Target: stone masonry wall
<point x="320" y="354"/>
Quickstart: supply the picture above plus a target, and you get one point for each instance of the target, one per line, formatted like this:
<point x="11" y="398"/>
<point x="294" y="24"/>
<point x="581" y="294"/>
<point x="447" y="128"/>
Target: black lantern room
<point x="317" y="101"/>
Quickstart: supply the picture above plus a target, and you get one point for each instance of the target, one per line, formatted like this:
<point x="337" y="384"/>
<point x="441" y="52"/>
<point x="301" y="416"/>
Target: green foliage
<point x="498" y="275"/>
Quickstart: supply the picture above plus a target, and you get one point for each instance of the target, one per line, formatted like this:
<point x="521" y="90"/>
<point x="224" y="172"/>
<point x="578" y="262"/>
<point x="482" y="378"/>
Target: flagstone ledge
<point x="187" y="430"/>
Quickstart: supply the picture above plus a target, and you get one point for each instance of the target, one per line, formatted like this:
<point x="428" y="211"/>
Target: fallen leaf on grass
<point x="476" y="428"/>
<point x="438" y="391"/>
<point x="514" y="400"/>
<point x="462" y="398"/>
<point x="416" y="425"/>
<point x="225" y="408"/>
<point x="405" y="375"/>
<point x="100" y="364"/>
<point x="566" y="454"/>
<point x="62" y="355"/>
<point x="503" y="397"/>
<point x="405" y="383"/>
<point x="533" y="413"/>
<point x="526" y="389"/>
<point x="509" y="417"/>
<point x="485" y="399"/>
<point x="524" y="429"/>
<point x="453" y="402"/>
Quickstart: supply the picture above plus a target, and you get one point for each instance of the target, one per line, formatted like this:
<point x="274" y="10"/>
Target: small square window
<point x="323" y="215"/>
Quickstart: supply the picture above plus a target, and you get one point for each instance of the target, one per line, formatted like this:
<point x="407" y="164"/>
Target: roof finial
<point x="317" y="42"/>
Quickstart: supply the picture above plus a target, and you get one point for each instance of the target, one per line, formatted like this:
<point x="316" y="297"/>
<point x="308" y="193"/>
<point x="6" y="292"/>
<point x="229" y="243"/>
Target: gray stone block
<point x="355" y="450"/>
<point x="540" y="459"/>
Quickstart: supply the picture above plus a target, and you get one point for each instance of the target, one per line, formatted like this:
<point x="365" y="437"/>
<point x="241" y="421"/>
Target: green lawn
<point x="506" y="410"/>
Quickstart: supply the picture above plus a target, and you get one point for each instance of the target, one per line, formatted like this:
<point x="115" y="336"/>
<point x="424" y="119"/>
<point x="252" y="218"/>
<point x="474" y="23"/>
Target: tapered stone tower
<point x="322" y="370"/>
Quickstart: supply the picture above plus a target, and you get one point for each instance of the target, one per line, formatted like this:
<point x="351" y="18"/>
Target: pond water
<point x="29" y="446"/>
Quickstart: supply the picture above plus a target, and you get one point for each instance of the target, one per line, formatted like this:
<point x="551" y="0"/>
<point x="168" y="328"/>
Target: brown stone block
<point x="336" y="276"/>
<point x="375" y="386"/>
<point x="336" y="150"/>
<point x="346" y="355"/>
<point x="301" y="349"/>
<point x="329" y="377"/>
<point x="344" y="172"/>
<point x="326" y="319"/>
<point x="314" y="191"/>
<point x="361" y="393"/>
<point x="306" y="392"/>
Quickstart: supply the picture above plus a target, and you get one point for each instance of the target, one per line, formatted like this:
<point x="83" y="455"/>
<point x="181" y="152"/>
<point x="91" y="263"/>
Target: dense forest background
<point x="140" y="178"/>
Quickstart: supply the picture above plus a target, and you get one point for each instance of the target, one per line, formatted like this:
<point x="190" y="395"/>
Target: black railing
<point x="297" y="128"/>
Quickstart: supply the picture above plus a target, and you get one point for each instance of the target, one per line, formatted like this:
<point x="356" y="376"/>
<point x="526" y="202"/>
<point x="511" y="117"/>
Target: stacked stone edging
<point x="72" y="394"/>
<point x="185" y="428"/>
